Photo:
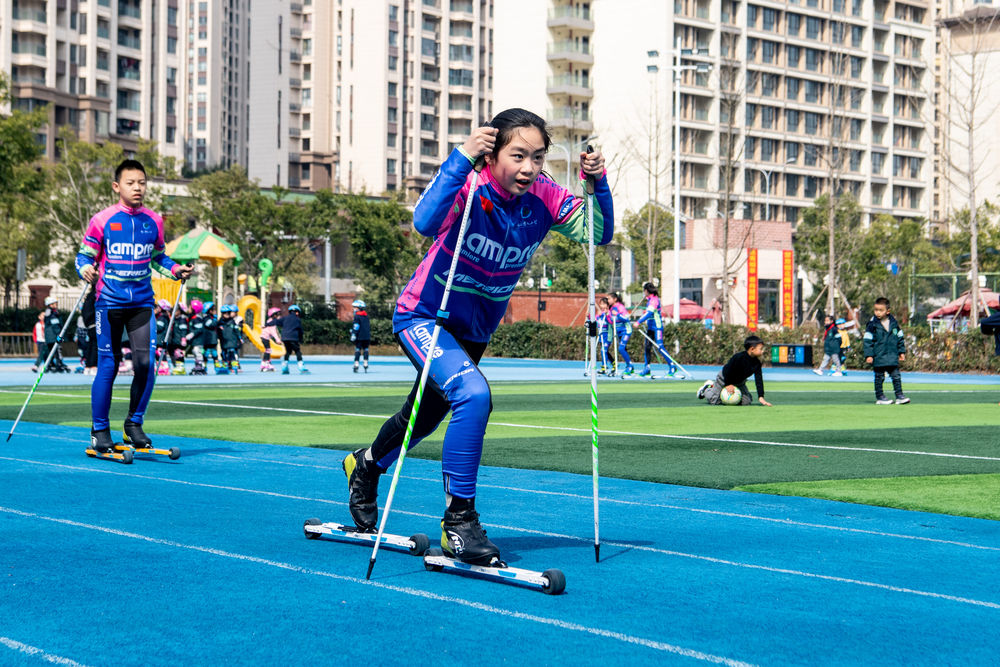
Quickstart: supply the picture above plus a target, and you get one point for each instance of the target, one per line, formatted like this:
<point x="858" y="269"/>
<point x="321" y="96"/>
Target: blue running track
<point x="203" y="561"/>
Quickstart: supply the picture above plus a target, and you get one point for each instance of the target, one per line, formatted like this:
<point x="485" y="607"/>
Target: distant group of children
<point x="615" y="321"/>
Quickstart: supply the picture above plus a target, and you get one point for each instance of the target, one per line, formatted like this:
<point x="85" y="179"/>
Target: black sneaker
<point x="463" y="537"/>
<point x="101" y="442"/>
<point x="362" y="483"/>
<point x="132" y="434"/>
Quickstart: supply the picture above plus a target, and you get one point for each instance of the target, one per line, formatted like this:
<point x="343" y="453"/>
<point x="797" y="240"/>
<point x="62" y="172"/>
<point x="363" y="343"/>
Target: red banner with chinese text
<point x="752" y="289"/>
<point x="787" y="289"/>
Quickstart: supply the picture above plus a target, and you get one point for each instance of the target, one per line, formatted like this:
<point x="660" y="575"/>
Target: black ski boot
<point x="362" y="483"/>
<point x="101" y="442"/>
<point x="132" y="434"/>
<point x="463" y="537"/>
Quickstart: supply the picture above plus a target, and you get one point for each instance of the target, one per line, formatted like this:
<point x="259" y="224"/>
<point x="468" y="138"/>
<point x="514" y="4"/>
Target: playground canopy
<point x="204" y="245"/>
<point x="690" y="310"/>
<point x="962" y="306"/>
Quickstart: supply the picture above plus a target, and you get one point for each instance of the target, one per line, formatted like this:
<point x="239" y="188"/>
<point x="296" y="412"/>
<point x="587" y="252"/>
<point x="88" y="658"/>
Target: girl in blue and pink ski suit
<point x="504" y="230"/>
<point x="654" y="329"/>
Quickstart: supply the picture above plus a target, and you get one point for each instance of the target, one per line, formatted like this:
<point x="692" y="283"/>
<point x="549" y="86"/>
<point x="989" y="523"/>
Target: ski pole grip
<point x="589" y="181"/>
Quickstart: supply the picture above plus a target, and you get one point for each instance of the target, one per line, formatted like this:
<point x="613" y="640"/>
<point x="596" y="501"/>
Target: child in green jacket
<point x="885" y="349"/>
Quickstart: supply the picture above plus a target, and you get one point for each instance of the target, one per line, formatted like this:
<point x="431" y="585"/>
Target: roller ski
<point x="134" y="440"/>
<point x="103" y="447"/>
<point x="465" y="549"/>
<point x="415" y="545"/>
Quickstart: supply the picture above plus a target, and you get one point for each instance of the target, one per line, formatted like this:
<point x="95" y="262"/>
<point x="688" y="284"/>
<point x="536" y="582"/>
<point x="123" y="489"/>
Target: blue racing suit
<point x="124" y="244"/>
<point x="654" y="329"/>
<point x="623" y="330"/>
<point x="504" y="230"/>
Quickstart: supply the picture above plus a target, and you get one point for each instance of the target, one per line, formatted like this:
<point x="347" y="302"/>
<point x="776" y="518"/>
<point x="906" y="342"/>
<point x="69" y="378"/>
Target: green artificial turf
<point x="831" y="436"/>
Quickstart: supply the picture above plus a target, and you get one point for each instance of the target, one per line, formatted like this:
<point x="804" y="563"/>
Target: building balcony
<point x="295" y="56"/>
<point x="295" y="7"/>
<point x="29" y="55"/>
<point x="569" y="118"/>
<point x="570" y="52"/>
<point x="570" y="18"/>
<point x="568" y="85"/>
<point x="294" y="132"/>
<point x="295" y="33"/>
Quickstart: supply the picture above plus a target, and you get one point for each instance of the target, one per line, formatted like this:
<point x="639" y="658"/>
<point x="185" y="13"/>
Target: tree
<point x="971" y="112"/>
<point x="19" y="180"/>
<point x="647" y="233"/>
<point x="731" y="148"/>
<point x="568" y="261"/>
<point x="812" y="244"/>
<point x="262" y="226"/>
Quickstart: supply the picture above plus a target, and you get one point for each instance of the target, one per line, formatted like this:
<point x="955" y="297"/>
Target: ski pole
<point x="48" y="358"/>
<point x="592" y="332"/>
<point x="170" y="324"/>
<point x="659" y="350"/>
<point x="439" y="321"/>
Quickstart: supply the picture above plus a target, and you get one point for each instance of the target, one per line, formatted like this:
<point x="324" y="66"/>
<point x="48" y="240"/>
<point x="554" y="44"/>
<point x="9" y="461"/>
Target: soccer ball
<point x="728" y="397"/>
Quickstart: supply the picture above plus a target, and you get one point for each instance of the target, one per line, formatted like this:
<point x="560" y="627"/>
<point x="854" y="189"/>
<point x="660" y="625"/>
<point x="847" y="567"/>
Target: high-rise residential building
<point x="967" y="149"/>
<point x="217" y="82"/>
<point x="109" y="70"/>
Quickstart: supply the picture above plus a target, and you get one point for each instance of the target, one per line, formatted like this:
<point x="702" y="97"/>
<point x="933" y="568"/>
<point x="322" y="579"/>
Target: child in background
<point x="654" y="329"/>
<point x="81" y="343"/>
<point x="177" y="345"/>
<point x="231" y="338"/>
<point x="604" y="324"/>
<point x="623" y="329"/>
<point x="361" y="333"/>
<point x="885" y="349"/>
<point x="831" y="348"/>
<point x="38" y="333"/>
<point x="736" y="372"/>
<point x="269" y="334"/>
<point x="210" y="337"/>
<point x="845" y="343"/>
<point x="196" y="337"/>
<point x="291" y="335"/>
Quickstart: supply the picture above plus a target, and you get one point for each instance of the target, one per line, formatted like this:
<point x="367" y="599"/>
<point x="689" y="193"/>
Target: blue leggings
<point x="454" y="383"/>
<point x="623" y="336"/>
<point x="142" y="341"/>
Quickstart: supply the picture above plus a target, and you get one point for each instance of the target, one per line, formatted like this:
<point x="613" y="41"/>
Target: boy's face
<point x="828" y="320"/>
<point x="757" y="350"/>
<point x="131" y="187"/>
<point x="880" y="310"/>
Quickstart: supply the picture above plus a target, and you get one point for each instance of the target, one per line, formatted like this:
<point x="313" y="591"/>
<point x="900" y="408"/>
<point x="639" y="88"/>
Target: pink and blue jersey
<point x="652" y="316"/>
<point x="503" y="233"/>
<point x="125" y="244"/>
<point x="619" y="315"/>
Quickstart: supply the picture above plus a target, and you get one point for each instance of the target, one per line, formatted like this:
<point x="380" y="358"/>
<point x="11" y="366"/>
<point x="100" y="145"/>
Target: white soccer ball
<point x="730" y="397"/>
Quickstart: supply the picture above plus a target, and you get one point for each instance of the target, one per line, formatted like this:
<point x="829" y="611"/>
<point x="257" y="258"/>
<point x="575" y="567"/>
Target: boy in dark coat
<point x="361" y="333"/>
<point x="734" y="375"/>
<point x="291" y="335"/>
<point x="885" y="349"/>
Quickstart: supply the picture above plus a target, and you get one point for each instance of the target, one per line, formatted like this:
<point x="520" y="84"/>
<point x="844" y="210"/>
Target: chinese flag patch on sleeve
<point x="116" y="226"/>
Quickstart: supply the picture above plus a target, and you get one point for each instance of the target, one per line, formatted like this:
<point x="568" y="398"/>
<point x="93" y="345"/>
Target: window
<point x="857" y="36"/>
<point x="768" y="147"/>
<point x="460" y="77"/>
<point x="171" y="45"/>
<point x="791" y="185"/>
<point x="767" y="117"/>
<point x="390" y="140"/>
<point x="811" y="155"/>
<point x="792" y="88"/>
<point x="791" y="121"/>
<point x="691" y="289"/>
<point x="812" y="123"/>
<point x="751" y="116"/>
<point x="770" y="19"/>
<point x="813" y="91"/>
<point x="814" y="60"/>
<point x="794" y="22"/>
<point x="393" y="38"/>
<point x="768" y="50"/>
<point x="767" y="300"/>
<point x="392" y="114"/>
<point x="393" y="63"/>
<point x="391" y="88"/>
<point x="792" y="55"/>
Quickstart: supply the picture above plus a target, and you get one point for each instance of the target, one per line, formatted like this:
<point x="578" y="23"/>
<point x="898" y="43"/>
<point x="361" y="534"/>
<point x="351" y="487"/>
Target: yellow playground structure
<point x="251" y="311"/>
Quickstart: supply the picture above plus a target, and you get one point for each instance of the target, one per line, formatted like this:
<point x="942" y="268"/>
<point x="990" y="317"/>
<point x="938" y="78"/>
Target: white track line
<point x="618" y="501"/>
<point x="543" y="533"/>
<point x="38" y="653"/>
<point x="415" y="592"/>
<point x="570" y="429"/>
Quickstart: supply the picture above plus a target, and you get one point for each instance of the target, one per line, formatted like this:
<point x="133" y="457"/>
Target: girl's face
<point x="518" y="163"/>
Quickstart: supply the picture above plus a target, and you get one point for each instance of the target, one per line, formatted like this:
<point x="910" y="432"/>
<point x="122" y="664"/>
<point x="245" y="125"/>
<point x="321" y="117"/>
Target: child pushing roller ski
<point x="121" y="246"/>
<point x="449" y="310"/>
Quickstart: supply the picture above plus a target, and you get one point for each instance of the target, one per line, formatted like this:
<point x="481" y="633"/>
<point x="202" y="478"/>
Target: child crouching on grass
<point x="736" y="372"/>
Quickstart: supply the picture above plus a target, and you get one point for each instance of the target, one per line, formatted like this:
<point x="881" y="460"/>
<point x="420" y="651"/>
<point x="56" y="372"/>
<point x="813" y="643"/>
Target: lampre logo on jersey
<point x="510" y="256"/>
<point x="132" y="250"/>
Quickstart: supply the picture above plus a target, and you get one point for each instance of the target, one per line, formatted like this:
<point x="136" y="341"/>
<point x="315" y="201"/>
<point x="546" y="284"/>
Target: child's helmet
<point x="208" y="305"/>
<point x="231" y="308"/>
<point x="164" y="304"/>
<point x="295" y="308"/>
<point x="358" y="303"/>
<point x="51" y="300"/>
<point x="273" y="311"/>
<point x="841" y="320"/>
<point x="196" y="306"/>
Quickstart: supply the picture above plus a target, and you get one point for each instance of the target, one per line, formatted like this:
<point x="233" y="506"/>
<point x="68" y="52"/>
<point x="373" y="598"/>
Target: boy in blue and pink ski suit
<point x="512" y="210"/>
<point x="121" y="246"/>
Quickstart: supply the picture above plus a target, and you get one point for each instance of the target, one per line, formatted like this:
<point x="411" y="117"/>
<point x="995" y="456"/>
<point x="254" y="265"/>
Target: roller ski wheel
<point x="415" y="545"/>
<point x="173" y="453"/>
<point x="550" y="582"/>
<point x="114" y="454"/>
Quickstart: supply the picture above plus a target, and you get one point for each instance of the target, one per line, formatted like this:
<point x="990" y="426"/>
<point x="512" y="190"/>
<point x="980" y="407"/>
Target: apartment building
<point x="108" y="69"/>
<point x="967" y="155"/>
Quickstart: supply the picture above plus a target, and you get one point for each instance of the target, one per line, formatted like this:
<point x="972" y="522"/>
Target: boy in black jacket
<point x="361" y="333"/>
<point x="885" y="349"/>
<point x="291" y="336"/>
<point x="736" y="372"/>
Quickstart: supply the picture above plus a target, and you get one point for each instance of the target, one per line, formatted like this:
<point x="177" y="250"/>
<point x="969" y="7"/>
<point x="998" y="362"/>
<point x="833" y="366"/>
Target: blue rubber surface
<point x="204" y="561"/>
